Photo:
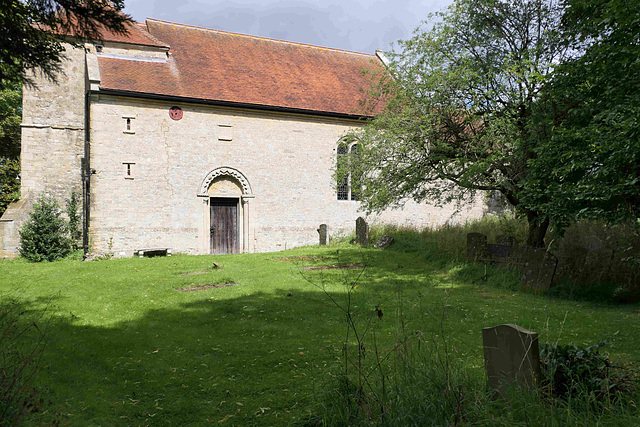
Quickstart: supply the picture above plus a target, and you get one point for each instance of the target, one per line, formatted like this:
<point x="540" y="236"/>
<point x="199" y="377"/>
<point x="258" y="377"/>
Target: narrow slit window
<point x="128" y="124"/>
<point x="225" y="132"/>
<point x="128" y="173"/>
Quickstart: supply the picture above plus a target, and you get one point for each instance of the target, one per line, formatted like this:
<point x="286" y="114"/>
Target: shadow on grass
<point x="253" y="359"/>
<point x="246" y="355"/>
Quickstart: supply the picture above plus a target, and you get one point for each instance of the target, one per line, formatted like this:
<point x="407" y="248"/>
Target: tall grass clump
<point x="406" y="239"/>
<point x="452" y="239"/>
<point x="449" y="239"/>
<point x="415" y="380"/>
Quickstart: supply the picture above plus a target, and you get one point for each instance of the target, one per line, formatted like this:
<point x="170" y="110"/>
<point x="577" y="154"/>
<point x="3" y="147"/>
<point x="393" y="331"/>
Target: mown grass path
<point x="129" y="348"/>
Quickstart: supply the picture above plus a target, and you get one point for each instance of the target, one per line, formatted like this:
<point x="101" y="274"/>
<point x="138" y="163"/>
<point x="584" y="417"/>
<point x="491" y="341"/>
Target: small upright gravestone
<point x="476" y="246"/>
<point x="362" y="231"/>
<point x="511" y="357"/>
<point x="322" y="231"/>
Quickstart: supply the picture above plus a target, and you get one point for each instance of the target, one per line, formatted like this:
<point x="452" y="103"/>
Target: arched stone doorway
<point x="225" y="229"/>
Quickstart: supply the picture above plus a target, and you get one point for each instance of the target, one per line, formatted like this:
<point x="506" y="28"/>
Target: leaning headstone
<point x="537" y="267"/>
<point x="322" y="231"/>
<point x="547" y="272"/>
<point x="511" y="357"/>
<point x="384" y="241"/>
<point x="362" y="231"/>
<point x="476" y="246"/>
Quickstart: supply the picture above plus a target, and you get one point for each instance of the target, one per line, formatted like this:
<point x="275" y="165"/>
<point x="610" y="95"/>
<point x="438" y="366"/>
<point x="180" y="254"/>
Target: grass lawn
<point x="129" y="348"/>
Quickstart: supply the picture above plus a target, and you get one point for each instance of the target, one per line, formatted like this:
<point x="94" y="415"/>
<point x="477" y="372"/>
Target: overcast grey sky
<point x="357" y="25"/>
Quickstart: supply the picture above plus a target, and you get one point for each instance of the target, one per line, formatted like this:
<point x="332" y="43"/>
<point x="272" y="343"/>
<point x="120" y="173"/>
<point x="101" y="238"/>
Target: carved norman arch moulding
<point x="225" y="171"/>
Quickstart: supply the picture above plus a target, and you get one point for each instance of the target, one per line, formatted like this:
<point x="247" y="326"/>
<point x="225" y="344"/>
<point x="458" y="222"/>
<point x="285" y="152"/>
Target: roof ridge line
<point x="146" y="31"/>
<point x="262" y="38"/>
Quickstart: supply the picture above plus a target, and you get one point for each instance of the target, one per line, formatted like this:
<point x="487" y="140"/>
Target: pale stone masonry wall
<point x="52" y="143"/>
<point x="53" y="130"/>
<point x="287" y="159"/>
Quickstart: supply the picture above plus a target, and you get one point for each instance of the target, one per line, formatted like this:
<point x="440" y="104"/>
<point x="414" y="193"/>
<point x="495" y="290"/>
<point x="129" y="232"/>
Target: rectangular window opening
<point x="225" y="132"/>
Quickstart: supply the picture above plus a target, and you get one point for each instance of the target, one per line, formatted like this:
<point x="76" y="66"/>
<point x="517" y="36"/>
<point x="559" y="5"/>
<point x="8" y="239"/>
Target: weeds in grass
<point x="356" y="394"/>
<point x="571" y="371"/>
<point x="419" y="381"/>
<point x="598" y="262"/>
<point x="23" y="337"/>
<point x="416" y="382"/>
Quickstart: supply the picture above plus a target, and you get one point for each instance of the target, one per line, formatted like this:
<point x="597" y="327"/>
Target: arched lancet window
<point x="349" y="183"/>
<point x="356" y="186"/>
<point x="343" y="179"/>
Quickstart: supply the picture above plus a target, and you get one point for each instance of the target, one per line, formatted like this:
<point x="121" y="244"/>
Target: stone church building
<point x="201" y="141"/>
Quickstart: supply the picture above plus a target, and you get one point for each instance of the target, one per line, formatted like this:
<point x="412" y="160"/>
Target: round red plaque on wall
<point x="175" y="113"/>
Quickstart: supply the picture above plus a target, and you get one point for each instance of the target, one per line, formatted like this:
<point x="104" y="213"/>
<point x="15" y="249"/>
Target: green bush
<point x="45" y="236"/>
<point x="569" y="371"/>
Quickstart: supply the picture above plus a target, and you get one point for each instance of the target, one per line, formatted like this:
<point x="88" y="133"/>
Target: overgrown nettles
<point x="570" y="370"/>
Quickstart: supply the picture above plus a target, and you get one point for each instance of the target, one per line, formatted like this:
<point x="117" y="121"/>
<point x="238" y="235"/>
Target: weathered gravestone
<point x="537" y="267"/>
<point x="322" y="231"/>
<point x="384" y="241"/>
<point x="511" y="357"/>
<point x="498" y="252"/>
<point x="362" y="231"/>
<point x="476" y="246"/>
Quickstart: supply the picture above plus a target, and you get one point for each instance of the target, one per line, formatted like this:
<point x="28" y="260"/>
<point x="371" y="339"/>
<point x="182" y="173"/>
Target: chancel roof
<point x="234" y="69"/>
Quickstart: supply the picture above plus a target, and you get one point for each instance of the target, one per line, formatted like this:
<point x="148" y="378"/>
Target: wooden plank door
<point x="224" y="226"/>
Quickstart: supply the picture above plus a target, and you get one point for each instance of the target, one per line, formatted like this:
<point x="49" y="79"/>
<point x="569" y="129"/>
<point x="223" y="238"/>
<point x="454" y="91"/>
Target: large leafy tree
<point x="460" y="108"/>
<point x="10" y="118"/>
<point x="32" y="31"/>
<point x="590" y="161"/>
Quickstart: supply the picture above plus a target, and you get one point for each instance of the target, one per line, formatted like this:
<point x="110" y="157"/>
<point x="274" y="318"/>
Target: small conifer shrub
<point x="45" y="236"/>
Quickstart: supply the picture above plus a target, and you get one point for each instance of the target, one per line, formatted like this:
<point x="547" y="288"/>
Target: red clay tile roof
<point x="137" y="34"/>
<point x="232" y="68"/>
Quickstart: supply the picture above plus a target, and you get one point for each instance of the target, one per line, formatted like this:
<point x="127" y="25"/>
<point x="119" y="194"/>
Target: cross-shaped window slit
<point x="129" y="171"/>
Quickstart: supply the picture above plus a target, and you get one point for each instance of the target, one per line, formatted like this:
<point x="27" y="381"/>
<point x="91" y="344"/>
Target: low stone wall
<point x="10" y="223"/>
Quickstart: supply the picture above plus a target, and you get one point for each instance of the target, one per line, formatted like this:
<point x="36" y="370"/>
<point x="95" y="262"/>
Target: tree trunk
<point x="537" y="230"/>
